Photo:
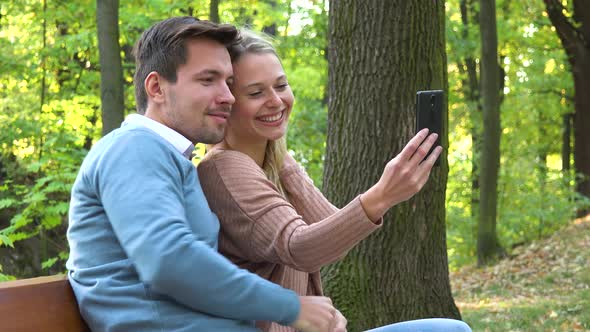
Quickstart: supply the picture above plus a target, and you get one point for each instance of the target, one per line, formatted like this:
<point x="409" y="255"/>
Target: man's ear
<point x="153" y="85"/>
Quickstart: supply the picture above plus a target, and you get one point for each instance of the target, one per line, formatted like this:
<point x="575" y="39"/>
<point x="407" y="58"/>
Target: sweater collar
<point x="181" y="143"/>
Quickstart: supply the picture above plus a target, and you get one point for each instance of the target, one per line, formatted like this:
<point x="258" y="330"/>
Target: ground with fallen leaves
<point x="545" y="286"/>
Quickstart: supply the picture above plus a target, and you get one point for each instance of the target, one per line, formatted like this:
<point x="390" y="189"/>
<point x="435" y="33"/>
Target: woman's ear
<point x="153" y="85"/>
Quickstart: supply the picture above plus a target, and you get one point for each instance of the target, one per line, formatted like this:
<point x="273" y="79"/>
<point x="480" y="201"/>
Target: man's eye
<point x="207" y="79"/>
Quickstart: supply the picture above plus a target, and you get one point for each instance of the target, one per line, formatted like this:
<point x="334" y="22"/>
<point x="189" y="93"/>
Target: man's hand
<point x="403" y="176"/>
<point x="317" y="314"/>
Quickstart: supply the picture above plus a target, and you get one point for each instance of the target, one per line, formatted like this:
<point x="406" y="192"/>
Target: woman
<point x="274" y="221"/>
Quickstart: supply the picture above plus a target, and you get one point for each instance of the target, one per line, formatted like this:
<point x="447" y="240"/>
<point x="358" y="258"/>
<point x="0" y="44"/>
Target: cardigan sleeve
<point x="268" y="228"/>
<point x="303" y="194"/>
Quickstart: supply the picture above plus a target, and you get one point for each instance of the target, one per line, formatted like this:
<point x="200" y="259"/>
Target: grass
<point x="543" y="287"/>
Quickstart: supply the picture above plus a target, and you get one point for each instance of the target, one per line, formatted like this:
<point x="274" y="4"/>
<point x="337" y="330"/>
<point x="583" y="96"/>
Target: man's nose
<point x="225" y="96"/>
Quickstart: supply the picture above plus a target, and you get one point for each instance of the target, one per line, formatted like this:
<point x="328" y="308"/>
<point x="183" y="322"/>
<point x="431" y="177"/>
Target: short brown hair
<point x="162" y="48"/>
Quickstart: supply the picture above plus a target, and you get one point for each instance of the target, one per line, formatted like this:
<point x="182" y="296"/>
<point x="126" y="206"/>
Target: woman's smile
<point x="272" y="119"/>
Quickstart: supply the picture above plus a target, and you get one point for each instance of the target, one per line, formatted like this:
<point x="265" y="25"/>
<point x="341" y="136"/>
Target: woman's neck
<point x="255" y="150"/>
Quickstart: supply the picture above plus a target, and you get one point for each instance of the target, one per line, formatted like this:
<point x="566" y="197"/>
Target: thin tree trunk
<point x="288" y="18"/>
<point x="543" y="151"/>
<point x="214" y="11"/>
<point x="43" y="57"/>
<point x="488" y="246"/>
<point x="272" y="28"/>
<point x="111" y="70"/>
<point x="472" y="93"/>
<point x="566" y="149"/>
<point x="43" y="100"/>
<point x="2" y="172"/>
<point x="574" y="34"/>
<point x="381" y="53"/>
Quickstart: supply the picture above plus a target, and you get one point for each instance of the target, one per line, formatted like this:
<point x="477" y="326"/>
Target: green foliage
<point x="536" y="196"/>
<point x="44" y="135"/>
<point x="45" y="132"/>
<point x="4" y="277"/>
<point x="6" y="240"/>
<point x="42" y="176"/>
<point x="305" y="62"/>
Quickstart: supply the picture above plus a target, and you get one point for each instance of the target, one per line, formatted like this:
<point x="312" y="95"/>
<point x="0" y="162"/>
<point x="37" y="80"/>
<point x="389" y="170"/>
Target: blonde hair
<point x="275" y="152"/>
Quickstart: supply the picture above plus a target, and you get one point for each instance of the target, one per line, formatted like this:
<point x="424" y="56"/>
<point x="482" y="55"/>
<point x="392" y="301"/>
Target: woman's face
<point x="263" y="99"/>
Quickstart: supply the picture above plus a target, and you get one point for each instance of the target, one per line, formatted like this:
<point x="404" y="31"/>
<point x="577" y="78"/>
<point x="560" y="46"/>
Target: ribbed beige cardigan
<point x="283" y="241"/>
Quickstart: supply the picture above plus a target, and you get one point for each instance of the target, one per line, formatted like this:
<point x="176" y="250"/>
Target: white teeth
<point x="271" y="118"/>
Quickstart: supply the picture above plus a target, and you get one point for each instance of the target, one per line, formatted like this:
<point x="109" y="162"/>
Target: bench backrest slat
<point x="39" y="304"/>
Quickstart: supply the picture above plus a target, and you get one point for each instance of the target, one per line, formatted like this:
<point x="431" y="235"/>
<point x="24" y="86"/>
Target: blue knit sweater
<point x="143" y="246"/>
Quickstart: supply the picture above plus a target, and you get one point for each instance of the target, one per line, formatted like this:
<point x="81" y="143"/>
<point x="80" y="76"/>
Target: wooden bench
<point x="40" y="304"/>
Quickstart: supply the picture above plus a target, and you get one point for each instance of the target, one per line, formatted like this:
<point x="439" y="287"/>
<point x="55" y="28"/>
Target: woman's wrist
<point x="373" y="202"/>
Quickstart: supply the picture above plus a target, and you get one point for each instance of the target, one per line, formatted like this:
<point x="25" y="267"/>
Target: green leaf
<point x="7" y="202"/>
<point x="49" y="263"/>
<point x="4" y="277"/>
<point x="51" y="221"/>
<point x="5" y="240"/>
<point x="34" y="167"/>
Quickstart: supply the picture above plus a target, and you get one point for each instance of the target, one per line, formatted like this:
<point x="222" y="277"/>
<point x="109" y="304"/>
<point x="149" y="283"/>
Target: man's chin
<point x="211" y="137"/>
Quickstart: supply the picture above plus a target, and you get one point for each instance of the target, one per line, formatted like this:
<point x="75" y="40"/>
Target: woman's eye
<point x="281" y="87"/>
<point x="254" y="93"/>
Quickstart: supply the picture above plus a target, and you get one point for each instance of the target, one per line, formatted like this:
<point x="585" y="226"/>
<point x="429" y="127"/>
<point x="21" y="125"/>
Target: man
<point x="143" y="241"/>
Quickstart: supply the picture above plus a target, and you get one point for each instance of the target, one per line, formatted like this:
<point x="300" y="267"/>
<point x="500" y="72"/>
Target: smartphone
<point x="429" y="114"/>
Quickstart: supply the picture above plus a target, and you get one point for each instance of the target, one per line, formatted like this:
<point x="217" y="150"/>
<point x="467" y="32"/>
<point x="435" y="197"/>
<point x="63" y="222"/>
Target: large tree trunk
<point x="574" y="34"/>
<point x="488" y="246"/>
<point x="111" y="70"/>
<point x="380" y="54"/>
<point x="582" y="124"/>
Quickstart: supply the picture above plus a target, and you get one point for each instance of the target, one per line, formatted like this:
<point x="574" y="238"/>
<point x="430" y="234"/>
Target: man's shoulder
<point x="132" y="132"/>
<point x="132" y="138"/>
<point x="129" y="149"/>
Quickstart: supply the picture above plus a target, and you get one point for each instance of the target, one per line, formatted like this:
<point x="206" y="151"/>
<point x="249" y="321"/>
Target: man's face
<point x="197" y="105"/>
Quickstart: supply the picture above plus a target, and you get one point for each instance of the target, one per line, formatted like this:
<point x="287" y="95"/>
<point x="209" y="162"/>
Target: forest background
<point x="50" y="113"/>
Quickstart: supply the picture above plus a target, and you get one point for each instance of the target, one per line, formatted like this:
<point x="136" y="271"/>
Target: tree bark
<point x="575" y="38"/>
<point x="472" y="94"/>
<point x="214" y="11"/>
<point x="38" y="133"/>
<point x="272" y="28"/>
<point x="43" y="59"/>
<point x="111" y="70"/>
<point x="488" y="246"/>
<point x="566" y="149"/>
<point x="380" y="54"/>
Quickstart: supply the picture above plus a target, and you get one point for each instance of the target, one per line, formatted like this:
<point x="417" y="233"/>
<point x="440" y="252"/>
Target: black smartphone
<point x="429" y="114"/>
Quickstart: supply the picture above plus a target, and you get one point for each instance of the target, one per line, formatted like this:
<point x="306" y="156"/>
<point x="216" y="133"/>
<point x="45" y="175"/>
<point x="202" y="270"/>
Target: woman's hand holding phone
<point x="404" y="175"/>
